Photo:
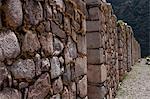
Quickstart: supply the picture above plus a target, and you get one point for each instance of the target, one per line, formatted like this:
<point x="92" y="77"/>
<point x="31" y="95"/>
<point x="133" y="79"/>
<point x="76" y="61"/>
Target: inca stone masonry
<point x="63" y="49"/>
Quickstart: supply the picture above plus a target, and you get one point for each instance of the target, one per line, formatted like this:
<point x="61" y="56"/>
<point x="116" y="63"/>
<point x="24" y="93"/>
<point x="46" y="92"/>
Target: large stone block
<point x="41" y="87"/>
<point x="55" y="67"/>
<point x="9" y="45"/>
<point x="82" y="87"/>
<point x="94" y="13"/>
<point x="57" y="30"/>
<point x="3" y="73"/>
<point x="46" y="42"/>
<point x="58" y="46"/>
<point x="33" y="12"/>
<point x="57" y="85"/>
<point x="99" y="72"/>
<point x="95" y="92"/>
<point x="94" y="40"/>
<point x="23" y="69"/>
<point x="94" y="74"/>
<point x="9" y="93"/>
<point x="80" y="68"/>
<point x="31" y="43"/>
<point x="95" y="56"/>
<point x="82" y="44"/>
<point x="70" y="51"/>
<point x="13" y="14"/>
<point x="93" y="26"/>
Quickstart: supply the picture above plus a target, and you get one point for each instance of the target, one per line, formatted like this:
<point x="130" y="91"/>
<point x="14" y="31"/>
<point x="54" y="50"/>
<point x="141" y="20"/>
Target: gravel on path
<point x="136" y="84"/>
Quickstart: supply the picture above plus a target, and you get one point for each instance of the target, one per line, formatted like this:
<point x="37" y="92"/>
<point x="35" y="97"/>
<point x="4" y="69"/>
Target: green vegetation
<point x="137" y="14"/>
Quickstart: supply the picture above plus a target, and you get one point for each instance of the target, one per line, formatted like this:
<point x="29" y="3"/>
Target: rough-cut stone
<point x="57" y="85"/>
<point x="66" y="94"/>
<point x="57" y="96"/>
<point x="55" y="67"/>
<point x="56" y="30"/>
<point x="82" y="87"/>
<point x="23" y="69"/>
<point x="47" y="44"/>
<point x="67" y="74"/>
<point x="33" y="12"/>
<point x="13" y="13"/>
<point x="70" y="51"/>
<point x="38" y="64"/>
<point x="9" y="93"/>
<point x="80" y="66"/>
<point x="45" y="64"/>
<point x="9" y="45"/>
<point x="82" y="44"/>
<point x="30" y="43"/>
<point x="3" y="73"/>
<point x="60" y="4"/>
<point x="23" y="85"/>
<point x="41" y="87"/>
<point x="58" y="46"/>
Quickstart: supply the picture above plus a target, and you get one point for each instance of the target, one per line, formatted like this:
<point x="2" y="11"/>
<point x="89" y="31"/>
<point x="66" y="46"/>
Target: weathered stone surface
<point x="82" y="44"/>
<point x="38" y="64"/>
<point x="94" y="13"/>
<point x="56" y="30"/>
<point x="95" y="56"/>
<point x="57" y="96"/>
<point x="70" y="51"/>
<point x="23" y="69"/>
<point x="41" y="87"/>
<point x="55" y="67"/>
<point x="91" y="38"/>
<point x="80" y="66"/>
<point x="66" y="94"/>
<point x="57" y="85"/>
<point x="9" y="93"/>
<point x="9" y="45"/>
<point x="95" y="92"/>
<point x="46" y="42"/>
<point x="13" y="13"/>
<point x="23" y="85"/>
<point x="60" y="4"/>
<point x="45" y="64"/>
<point x="52" y="59"/>
<point x="58" y="46"/>
<point x="93" y="26"/>
<point x="33" y="12"/>
<point x="82" y="87"/>
<point x="103" y="72"/>
<point x="94" y="70"/>
<point x="67" y="74"/>
<point x="3" y="73"/>
<point x="30" y="43"/>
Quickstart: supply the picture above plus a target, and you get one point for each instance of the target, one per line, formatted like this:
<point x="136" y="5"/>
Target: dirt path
<point x="136" y="84"/>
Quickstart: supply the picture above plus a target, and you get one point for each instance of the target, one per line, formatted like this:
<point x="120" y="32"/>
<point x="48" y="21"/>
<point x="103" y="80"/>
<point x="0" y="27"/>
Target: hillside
<point x="135" y="13"/>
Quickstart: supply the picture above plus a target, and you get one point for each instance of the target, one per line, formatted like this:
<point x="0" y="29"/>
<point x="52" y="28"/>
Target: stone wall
<point x="111" y="50"/>
<point x="46" y="45"/>
<point x="43" y="49"/>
